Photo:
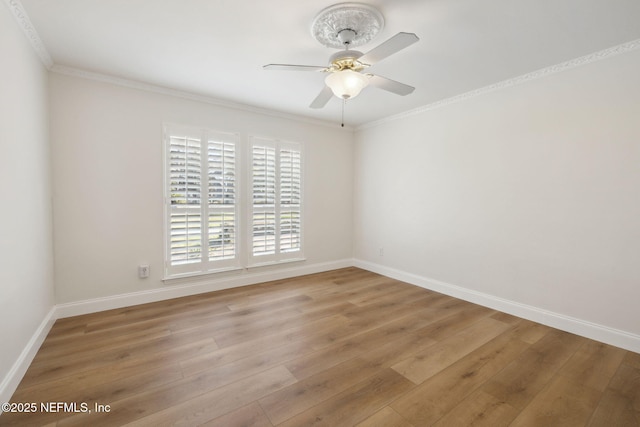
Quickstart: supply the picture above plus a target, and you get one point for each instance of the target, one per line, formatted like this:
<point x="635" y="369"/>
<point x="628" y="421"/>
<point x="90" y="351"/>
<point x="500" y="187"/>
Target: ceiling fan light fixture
<point x="346" y="84"/>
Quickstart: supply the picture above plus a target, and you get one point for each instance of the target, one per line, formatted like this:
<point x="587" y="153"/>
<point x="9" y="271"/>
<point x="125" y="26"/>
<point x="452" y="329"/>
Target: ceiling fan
<point x="348" y="25"/>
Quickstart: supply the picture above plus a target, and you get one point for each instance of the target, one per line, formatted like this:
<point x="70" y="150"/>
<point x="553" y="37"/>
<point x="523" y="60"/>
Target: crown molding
<point x="544" y="72"/>
<point x="147" y="87"/>
<point x="28" y="29"/>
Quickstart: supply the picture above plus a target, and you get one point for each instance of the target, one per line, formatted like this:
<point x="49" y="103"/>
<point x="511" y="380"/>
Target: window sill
<point x="271" y="263"/>
<point x="186" y="276"/>
<point x="194" y="277"/>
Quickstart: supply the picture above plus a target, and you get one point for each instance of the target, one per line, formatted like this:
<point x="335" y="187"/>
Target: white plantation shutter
<point x="276" y="210"/>
<point x="201" y="201"/>
<point x="184" y="198"/>
<point x="186" y="241"/>
<point x="222" y="199"/>
<point x="264" y="200"/>
<point x="204" y="231"/>
<point x="290" y="200"/>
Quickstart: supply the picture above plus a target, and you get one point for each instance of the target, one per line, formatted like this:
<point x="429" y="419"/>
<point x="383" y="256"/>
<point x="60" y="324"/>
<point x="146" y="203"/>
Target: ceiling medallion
<point x="347" y="25"/>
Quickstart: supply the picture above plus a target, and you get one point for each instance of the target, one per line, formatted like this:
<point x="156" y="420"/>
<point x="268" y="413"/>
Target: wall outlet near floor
<point x="381" y="252"/>
<point x="143" y="271"/>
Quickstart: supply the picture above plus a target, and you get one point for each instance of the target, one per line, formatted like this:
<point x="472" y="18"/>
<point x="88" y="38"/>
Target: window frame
<point x="204" y="265"/>
<point x="279" y="255"/>
<point x="243" y="207"/>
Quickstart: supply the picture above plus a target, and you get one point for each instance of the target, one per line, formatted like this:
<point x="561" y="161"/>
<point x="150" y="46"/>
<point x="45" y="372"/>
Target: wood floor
<point x="342" y="348"/>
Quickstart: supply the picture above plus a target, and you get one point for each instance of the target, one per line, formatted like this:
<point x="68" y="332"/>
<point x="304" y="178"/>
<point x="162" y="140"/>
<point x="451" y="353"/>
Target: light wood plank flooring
<point x="342" y="348"/>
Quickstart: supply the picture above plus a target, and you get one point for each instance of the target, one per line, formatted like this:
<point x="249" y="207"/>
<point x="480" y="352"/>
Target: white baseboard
<point x="580" y="327"/>
<point x="11" y="381"/>
<point x="195" y="286"/>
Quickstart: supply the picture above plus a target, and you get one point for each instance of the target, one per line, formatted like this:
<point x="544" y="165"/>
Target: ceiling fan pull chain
<point x="344" y="101"/>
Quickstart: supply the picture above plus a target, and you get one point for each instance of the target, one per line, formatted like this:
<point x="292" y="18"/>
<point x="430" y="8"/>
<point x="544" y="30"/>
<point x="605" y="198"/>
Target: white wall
<point x="529" y="194"/>
<point x="107" y="166"/>
<point x="26" y="272"/>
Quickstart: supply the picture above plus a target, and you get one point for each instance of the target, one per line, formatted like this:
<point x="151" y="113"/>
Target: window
<point x="276" y="201"/>
<point x="208" y="227"/>
<point x="201" y="201"/>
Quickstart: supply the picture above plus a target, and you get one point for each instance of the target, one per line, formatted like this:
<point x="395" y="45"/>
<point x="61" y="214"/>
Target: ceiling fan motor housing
<point x="346" y="60"/>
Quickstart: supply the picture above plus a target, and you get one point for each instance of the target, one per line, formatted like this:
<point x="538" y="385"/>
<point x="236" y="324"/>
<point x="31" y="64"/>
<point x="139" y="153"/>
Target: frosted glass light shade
<point x="346" y="84"/>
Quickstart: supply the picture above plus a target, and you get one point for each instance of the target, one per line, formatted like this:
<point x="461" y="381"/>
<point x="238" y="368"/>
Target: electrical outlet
<point x="381" y="252"/>
<point x="143" y="271"/>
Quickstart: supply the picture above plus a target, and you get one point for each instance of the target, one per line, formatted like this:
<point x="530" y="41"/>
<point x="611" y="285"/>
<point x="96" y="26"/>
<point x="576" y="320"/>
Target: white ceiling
<point x="217" y="48"/>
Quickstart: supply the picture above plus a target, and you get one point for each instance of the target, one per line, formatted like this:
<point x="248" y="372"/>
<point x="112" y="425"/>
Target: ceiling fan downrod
<point x="346" y="37"/>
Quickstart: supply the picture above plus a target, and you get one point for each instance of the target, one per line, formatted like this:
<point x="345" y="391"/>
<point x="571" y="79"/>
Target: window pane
<point x="290" y="231"/>
<point x="264" y="175"/>
<point x="185" y="238"/>
<point x="221" y="172"/>
<point x="222" y="235"/>
<point x="264" y="233"/>
<point x="184" y="171"/>
<point x="290" y="177"/>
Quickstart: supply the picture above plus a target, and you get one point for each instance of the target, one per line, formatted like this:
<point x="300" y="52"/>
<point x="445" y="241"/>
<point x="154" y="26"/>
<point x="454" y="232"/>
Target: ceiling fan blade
<point x="290" y="67"/>
<point x="323" y="97"/>
<point x="388" y="48"/>
<point x="390" y="85"/>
